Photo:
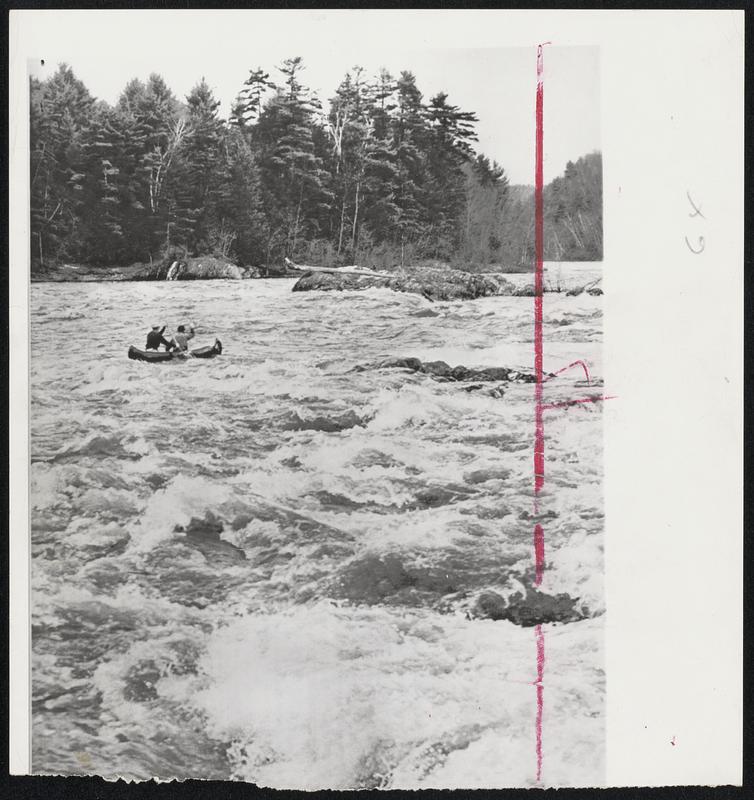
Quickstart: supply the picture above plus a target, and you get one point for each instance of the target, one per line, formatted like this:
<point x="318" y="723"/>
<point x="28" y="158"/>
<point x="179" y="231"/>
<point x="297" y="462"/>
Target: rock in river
<point x="534" y="608"/>
<point x="191" y="269"/>
<point x="432" y="283"/>
<point x="444" y="372"/>
<point x="204" y="535"/>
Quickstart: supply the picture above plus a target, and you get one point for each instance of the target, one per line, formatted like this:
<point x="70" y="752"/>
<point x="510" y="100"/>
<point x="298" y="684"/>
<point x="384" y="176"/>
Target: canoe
<point x="157" y="356"/>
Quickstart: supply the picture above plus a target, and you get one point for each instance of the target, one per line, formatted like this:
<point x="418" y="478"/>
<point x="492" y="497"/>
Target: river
<point x="328" y="637"/>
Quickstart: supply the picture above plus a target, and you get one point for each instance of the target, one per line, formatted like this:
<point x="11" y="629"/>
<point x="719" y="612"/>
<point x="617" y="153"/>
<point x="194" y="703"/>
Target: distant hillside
<point x="503" y="226"/>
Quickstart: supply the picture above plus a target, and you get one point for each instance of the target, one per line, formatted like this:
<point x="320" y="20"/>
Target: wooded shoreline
<point x="375" y="175"/>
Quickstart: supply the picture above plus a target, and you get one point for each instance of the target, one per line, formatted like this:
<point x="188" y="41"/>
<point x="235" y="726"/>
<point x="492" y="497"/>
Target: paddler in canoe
<point x="181" y="338"/>
<point x="155" y="338"/>
<point x="176" y="346"/>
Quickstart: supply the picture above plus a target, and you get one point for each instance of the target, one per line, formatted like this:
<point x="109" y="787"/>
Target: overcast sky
<point x="108" y="48"/>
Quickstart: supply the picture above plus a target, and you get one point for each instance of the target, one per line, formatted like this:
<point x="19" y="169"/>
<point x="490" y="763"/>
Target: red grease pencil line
<point x="539" y="431"/>
<point x="540" y="636"/>
<point x="539" y="427"/>
<point x="576" y="363"/>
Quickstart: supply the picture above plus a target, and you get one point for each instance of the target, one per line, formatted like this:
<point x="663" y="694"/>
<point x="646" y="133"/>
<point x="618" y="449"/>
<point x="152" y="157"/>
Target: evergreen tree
<point x="198" y="181"/>
<point x="448" y="150"/>
<point x="248" y="104"/>
<point x="59" y="120"/>
<point x="242" y="222"/>
<point x="102" y="217"/>
<point x="486" y="210"/>
<point x="294" y="183"/>
<point x="153" y="129"/>
<point x="409" y="128"/>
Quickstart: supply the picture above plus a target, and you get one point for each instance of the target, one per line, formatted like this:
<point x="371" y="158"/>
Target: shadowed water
<point x="265" y="566"/>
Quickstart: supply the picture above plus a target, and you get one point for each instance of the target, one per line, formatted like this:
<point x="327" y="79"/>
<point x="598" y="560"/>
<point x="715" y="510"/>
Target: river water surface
<point x="265" y="566"/>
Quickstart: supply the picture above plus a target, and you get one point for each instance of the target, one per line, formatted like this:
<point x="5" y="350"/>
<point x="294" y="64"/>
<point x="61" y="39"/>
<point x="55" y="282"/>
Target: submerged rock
<point x="400" y="363"/>
<point x="444" y="372"/>
<point x="204" y="535"/>
<point x="435" y="496"/>
<point x="438" y="368"/>
<point x="484" y="475"/>
<point x="372" y="580"/>
<point x="533" y="608"/>
<point x="339" y="422"/>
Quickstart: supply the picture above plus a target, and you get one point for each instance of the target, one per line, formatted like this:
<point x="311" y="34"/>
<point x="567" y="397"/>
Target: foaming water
<point x="265" y="566"/>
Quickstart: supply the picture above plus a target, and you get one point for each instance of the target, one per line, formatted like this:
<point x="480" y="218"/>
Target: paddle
<point x="193" y="329"/>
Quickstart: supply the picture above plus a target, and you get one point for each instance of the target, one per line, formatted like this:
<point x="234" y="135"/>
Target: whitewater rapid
<point x="293" y="650"/>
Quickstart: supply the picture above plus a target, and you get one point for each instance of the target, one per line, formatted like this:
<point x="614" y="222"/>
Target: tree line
<point x="378" y="177"/>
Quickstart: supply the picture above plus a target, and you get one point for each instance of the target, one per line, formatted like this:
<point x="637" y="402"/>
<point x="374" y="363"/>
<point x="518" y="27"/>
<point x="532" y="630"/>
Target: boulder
<point x="208" y="268"/>
<point x="432" y="283"/>
<point x="484" y="475"/>
<point x="533" y="608"/>
<point x="204" y="536"/>
<point x="444" y="372"/>
<point x="413" y="364"/>
<point x="339" y="422"/>
<point x="437" y="368"/>
<point x="372" y="579"/>
<point x="201" y="268"/>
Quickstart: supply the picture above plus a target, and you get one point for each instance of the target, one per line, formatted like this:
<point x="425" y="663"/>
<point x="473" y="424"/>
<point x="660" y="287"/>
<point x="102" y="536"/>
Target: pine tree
<point x="448" y="150"/>
<point x="154" y="128"/>
<point x="294" y="183"/>
<point x="240" y="204"/>
<point x="379" y="210"/>
<point x="486" y="208"/>
<point x="200" y="173"/>
<point x="248" y="105"/>
<point x="409" y="129"/>
<point x="59" y="119"/>
<point x="102" y="218"/>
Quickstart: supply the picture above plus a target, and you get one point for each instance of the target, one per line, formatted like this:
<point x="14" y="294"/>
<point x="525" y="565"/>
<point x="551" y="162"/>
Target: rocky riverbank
<point x="189" y="269"/>
<point x="434" y="283"/>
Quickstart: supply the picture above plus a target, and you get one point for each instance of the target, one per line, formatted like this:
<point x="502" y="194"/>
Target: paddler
<point x="155" y="338"/>
<point x="181" y="338"/>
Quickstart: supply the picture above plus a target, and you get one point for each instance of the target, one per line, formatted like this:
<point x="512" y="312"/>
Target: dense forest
<point x="376" y="177"/>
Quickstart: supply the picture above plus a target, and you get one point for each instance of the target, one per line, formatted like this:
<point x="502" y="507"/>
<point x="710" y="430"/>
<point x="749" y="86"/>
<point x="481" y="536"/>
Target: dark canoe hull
<point x="157" y="357"/>
<point x="209" y="351"/>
